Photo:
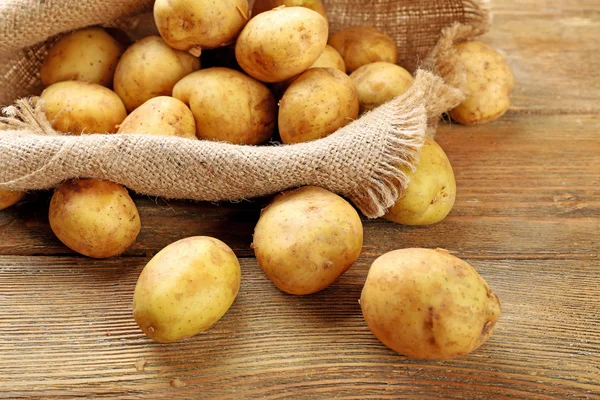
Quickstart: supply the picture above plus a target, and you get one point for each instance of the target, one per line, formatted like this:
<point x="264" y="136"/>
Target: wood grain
<point x="69" y="325"/>
<point x="527" y="217"/>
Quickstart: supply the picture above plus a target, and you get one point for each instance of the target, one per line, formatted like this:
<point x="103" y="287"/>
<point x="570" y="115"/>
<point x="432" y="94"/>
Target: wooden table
<point x="527" y="217"/>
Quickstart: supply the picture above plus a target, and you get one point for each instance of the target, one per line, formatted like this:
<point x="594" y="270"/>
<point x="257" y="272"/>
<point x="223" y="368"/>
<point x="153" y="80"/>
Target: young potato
<point x="306" y="239"/>
<point x="228" y="106"/>
<point x="330" y="58"/>
<point x="361" y="45"/>
<point x="428" y="304"/>
<point x="318" y="103"/>
<point x="95" y="218"/>
<point x="489" y="83"/>
<point x="150" y="68"/>
<point x="186" y="288"/>
<point x="261" y="6"/>
<point x="80" y="107"/>
<point x="9" y="198"/>
<point x="161" y="116"/>
<point x="89" y="55"/>
<point x="201" y="24"/>
<point x="431" y="192"/>
<point x="282" y="43"/>
<point x="380" y="82"/>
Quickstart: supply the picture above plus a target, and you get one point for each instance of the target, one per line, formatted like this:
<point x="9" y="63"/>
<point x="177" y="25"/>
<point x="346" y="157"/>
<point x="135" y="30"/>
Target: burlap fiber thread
<point x="364" y="161"/>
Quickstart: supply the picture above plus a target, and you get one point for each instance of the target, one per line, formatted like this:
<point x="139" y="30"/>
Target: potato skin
<point x="318" y="103"/>
<point x="150" y="68"/>
<point x="80" y="107"/>
<point x="489" y="84"/>
<point x="161" y="116"/>
<point x="306" y="239"/>
<point x="9" y="198"/>
<point x="186" y="288"/>
<point x="380" y="82"/>
<point x="95" y="218"/>
<point x="428" y="305"/>
<point x="282" y="43"/>
<point x="261" y="6"/>
<point x="200" y="24"/>
<point x="361" y="45"/>
<point x="228" y="106"/>
<point x="431" y="192"/>
<point x="89" y="55"/>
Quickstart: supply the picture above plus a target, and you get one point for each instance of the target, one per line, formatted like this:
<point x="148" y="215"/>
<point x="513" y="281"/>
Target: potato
<point x="200" y="24"/>
<point x="150" y="68"/>
<point x="9" y="198"/>
<point x="427" y="304"/>
<point x="282" y="43"/>
<point x="431" y="192"/>
<point x="186" y="288"/>
<point x="306" y="239"/>
<point x="228" y="106"/>
<point x="81" y="107"/>
<point x="89" y="55"/>
<point x="361" y="45"/>
<point x="95" y="218"/>
<point x="380" y="82"/>
<point x="330" y="58"/>
<point x="489" y="83"/>
<point x="318" y="103"/>
<point x="161" y="116"/>
<point x="261" y="6"/>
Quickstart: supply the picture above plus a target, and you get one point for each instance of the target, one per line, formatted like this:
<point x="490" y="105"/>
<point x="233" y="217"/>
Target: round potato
<point x="261" y="6"/>
<point x="186" y="288"/>
<point x="95" y="218"/>
<point x="89" y="55"/>
<point x="380" y="82"/>
<point x="431" y="192"/>
<point x="330" y="58"/>
<point x="282" y="43"/>
<point x="80" y="107"/>
<point x="150" y="68"/>
<point x="161" y="116"/>
<point x="361" y="45"/>
<point x="228" y="106"/>
<point x="200" y="24"/>
<point x="9" y="198"/>
<point x="318" y="103"/>
<point x="489" y="83"/>
<point x="306" y="239"/>
<point x="428" y="304"/>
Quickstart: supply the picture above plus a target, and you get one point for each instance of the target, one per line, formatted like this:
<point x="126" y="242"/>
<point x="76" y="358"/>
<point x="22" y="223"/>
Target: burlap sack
<point x="364" y="161"/>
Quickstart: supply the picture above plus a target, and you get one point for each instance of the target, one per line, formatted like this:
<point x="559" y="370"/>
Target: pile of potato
<point x="279" y="74"/>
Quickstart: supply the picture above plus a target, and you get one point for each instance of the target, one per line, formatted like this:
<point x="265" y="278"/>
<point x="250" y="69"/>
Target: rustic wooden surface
<point x="527" y="217"/>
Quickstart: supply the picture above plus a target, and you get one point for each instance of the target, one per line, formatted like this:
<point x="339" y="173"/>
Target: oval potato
<point x="380" y="82"/>
<point x="318" y="103"/>
<point x="489" y="83"/>
<point x="306" y="239"/>
<point x="428" y="305"/>
<point x="431" y="192"/>
<point x="200" y="24"/>
<point x="150" y="68"/>
<point x="228" y="106"/>
<point x="282" y="43"/>
<point x="361" y="45"/>
<point x="161" y="116"/>
<point x="95" y="218"/>
<point x="89" y="55"/>
<point x="80" y="107"/>
<point x="186" y="288"/>
<point x="261" y="6"/>
<point x="9" y="198"/>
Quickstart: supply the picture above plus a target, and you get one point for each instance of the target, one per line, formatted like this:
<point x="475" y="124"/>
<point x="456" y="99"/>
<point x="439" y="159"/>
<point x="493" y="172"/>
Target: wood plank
<point x="517" y="179"/>
<point x="553" y="57"/>
<point x="66" y="329"/>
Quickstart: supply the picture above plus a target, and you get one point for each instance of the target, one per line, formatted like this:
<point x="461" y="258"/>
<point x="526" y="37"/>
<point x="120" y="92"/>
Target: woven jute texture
<point x="366" y="161"/>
